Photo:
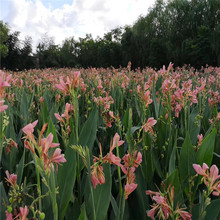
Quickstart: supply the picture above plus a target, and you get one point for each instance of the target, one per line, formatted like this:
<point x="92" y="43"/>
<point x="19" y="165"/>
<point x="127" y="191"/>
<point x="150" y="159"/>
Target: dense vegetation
<point x="110" y="144"/>
<point x="180" y="31"/>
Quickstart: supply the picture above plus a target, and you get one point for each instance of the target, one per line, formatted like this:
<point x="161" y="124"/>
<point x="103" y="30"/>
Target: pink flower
<point x="41" y="99"/>
<point x="68" y="108"/>
<point x="58" y="117"/>
<point x="150" y="123"/>
<point x="147" y="99"/>
<point x="138" y="159"/>
<point x="129" y="188"/>
<point x="100" y="84"/>
<point x="211" y="178"/>
<point x="8" y="216"/>
<point x="151" y="212"/>
<point x="116" y="142"/>
<point x="112" y="159"/>
<point x="184" y="215"/>
<point x="200" y="137"/>
<point x="62" y="86"/>
<point x="46" y="143"/>
<point x="3" y="107"/>
<point x="97" y="175"/>
<point x="11" y="178"/>
<point x="201" y="170"/>
<point x="214" y="174"/>
<point x="29" y="130"/>
<point x="57" y="157"/>
<point x="23" y="213"/>
<point x="4" y="84"/>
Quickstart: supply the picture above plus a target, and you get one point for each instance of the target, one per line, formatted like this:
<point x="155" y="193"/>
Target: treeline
<point x="178" y="31"/>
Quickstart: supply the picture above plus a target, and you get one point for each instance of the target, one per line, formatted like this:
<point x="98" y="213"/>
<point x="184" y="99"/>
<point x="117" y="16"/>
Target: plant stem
<point x="38" y="184"/>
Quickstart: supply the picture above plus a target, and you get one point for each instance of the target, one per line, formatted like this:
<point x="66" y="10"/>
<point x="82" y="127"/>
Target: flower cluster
<point x="4" y="83"/>
<point x="43" y="146"/>
<point x="64" y="118"/>
<point x="15" y="200"/>
<point x="164" y="206"/>
<point x="149" y="124"/>
<point x="211" y="177"/>
<point x="72" y="81"/>
<point x="130" y="163"/>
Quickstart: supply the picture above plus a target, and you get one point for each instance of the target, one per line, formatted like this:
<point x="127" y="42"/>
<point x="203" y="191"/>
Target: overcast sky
<point x="61" y="19"/>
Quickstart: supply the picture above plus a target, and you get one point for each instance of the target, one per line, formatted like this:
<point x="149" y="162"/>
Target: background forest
<point x="178" y="31"/>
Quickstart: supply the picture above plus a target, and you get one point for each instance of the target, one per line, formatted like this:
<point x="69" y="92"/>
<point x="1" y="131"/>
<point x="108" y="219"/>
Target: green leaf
<point x="147" y="166"/>
<point x="114" y="205"/>
<point x="172" y="162"/>
<point x="156" y="105"/>
<point x="88" y="133"/>
<point x="193" y="128"/>
<point x="83" y="213"/>
<point x="24" y="107"/>
<point x="213" y="210"/>
<point x="205" y="152"/>
<point x="157" y="164"/>
<point x="187" y="159"/>
<point x="52" y="129"/>
<point x="66" y="180"/>
<point x="44" y="112"/>
<point x="20" y="168"/>
<point x="3" y="199"/>
<point x="102" y="196"/>
<point x="137" y="200"/>
<point x="173" y="180"/>
<point x="103" y="193"/>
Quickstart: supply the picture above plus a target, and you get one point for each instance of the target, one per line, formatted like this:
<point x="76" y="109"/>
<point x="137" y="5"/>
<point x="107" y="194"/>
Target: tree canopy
<point x="178" y="31"/>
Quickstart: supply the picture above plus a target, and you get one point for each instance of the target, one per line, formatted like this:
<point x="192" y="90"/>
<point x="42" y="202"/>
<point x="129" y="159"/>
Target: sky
<point x="62" y="19"/>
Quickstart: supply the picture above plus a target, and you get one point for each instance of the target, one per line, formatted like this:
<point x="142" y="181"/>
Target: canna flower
<point x="29" y="130"/>
<point x="9" y="216"/>
<point x="23" y="213"/>
<point x="116" y="142"/>
<point x="100" y="85"/>
<point x="150" y="123"/>
<point x="58" y="117"/>
<point x="129" y="188"/>
<point x="11" y="144"/>
<point x="163" y="206"/>
<point x="146" y="98"/>
<point x="97" y="175"/>
<point x="112" y="159"/>
<point x="211" y="177"/>
<point x="57" y="157"/>
<point x="11" y="178"/>
<point x="2" y="107"/>
<point x="200" y="137"/>
<point x="4" y="82"/>
<point x="46" y="143"/>
<point x="62" y="86"/>
<point x="68" y="108"/>
<point x="183" y="214"/>
<point x="201" y="170"/>
<point x="131" y="162"/>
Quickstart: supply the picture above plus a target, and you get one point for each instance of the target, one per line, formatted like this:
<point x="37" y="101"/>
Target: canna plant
<point x="94" y="135"/>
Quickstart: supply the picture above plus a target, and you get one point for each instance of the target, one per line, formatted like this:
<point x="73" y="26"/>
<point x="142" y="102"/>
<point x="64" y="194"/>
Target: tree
<point x="68" y="53"/>
<point x="3" y="38"/>
<point x="48" y="53"/>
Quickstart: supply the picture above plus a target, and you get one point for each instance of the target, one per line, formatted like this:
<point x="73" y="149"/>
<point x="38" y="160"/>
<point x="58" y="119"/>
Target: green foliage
<point x="3" y="38"/>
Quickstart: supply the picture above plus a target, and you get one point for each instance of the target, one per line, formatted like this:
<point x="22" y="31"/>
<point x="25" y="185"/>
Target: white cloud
<point x="77" y="19"/>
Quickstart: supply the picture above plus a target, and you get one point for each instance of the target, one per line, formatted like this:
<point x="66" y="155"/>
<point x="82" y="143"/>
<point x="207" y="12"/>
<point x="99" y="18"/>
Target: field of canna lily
<point x="110" y="144"/>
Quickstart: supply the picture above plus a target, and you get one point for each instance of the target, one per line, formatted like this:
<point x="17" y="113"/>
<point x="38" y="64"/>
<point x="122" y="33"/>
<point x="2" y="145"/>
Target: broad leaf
<point x="205" y="152"/>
